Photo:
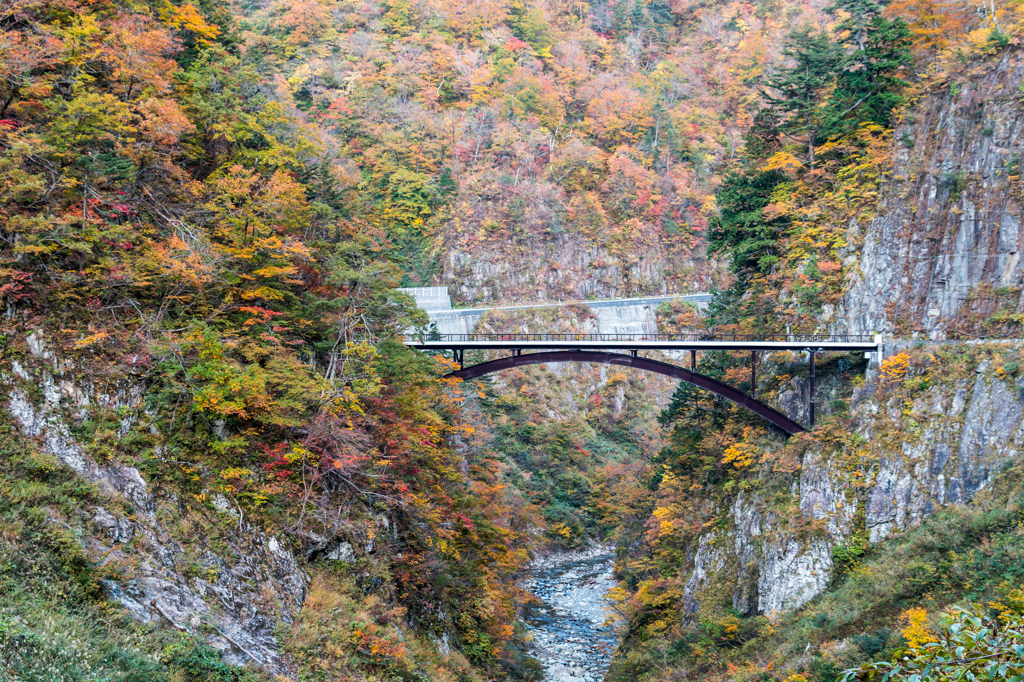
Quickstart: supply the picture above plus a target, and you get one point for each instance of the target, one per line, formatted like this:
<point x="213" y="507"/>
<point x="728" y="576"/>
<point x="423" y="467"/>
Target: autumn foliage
<point x="165" y="214"/>
<point x="219" y="200"/>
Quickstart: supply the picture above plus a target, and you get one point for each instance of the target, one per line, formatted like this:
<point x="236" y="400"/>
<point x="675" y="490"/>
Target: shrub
<point x="968" y="646"/>
<point x="196" y="661"/>
<point x="874" y="642"/>
<point x="30" y="656"/>
<point x="894" y="368"/>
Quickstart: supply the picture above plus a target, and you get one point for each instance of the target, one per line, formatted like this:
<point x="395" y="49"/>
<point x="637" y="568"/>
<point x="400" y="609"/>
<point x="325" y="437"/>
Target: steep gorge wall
<point x="941" y="260"/>
<point x="942" y="257"/>
<point x="210" y="573"/>
<point x="910" y="445"/>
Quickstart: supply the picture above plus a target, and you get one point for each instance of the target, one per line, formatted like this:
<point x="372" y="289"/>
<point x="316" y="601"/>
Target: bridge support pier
<point x="811" y="392"/>
<point x="753" y="373"/>
<point x="693" y="361"/>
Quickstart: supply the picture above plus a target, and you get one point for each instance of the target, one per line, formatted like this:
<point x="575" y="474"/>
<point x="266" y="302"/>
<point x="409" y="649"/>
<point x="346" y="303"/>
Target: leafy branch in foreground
<point x="969" y="646"/>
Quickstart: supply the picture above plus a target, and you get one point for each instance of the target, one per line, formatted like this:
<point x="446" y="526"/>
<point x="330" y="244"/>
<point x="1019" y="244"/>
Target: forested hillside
<point x="219" y="462"/>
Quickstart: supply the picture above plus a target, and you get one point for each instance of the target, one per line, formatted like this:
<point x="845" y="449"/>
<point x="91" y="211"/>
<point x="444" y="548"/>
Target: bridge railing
<point x="680" y="338"/>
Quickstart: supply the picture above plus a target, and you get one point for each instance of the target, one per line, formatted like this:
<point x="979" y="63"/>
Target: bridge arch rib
<point x="646" y="364"/>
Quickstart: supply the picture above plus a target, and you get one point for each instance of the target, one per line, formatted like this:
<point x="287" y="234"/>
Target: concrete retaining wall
<point x="621" y="316"/>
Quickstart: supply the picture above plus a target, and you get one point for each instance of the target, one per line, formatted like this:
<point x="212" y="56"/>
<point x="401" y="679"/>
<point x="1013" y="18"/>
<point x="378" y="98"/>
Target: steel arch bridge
<point x="598" y="349"/>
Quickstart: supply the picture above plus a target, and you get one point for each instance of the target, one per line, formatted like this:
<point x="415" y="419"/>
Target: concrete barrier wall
<point x="456" y="322"/>
<point x="622" y="316"/>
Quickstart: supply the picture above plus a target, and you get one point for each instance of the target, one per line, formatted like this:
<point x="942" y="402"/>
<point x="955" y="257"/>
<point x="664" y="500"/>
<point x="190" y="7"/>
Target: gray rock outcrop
<point x="943" y="253"/>
<point x="237" y="596"/>
<point x="910" y="461"/>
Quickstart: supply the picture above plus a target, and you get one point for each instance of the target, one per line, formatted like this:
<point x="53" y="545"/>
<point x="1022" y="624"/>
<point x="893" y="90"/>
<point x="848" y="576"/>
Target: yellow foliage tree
<point x="895" y="367"/>
<point x="916" y="631"/>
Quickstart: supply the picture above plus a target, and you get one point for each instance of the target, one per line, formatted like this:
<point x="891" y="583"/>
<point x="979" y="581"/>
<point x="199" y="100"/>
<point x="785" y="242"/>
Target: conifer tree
<point x="741" y="229"/>
<point x="855" y="26"/>
<point x="867" y="84"/>
<point x="763" y="138"/>
<point x="800" y="86"/>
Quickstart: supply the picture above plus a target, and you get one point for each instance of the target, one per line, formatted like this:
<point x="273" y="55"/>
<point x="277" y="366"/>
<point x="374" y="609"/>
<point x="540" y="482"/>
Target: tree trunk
<point x="810" y="142"/>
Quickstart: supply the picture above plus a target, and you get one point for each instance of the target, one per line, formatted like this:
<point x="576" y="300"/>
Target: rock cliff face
<point x="943" y="255"/>
<point x="569" y="267"/>
<point x="219" y="576"/>
<point x="908" y="448"/>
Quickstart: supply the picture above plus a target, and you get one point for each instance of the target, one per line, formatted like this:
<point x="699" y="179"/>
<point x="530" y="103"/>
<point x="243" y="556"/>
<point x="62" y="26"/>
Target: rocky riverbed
<point x="568" y="629"/>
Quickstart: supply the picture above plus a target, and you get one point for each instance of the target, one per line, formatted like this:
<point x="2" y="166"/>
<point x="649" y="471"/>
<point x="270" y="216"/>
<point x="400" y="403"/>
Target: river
<point x="569" y="635"/>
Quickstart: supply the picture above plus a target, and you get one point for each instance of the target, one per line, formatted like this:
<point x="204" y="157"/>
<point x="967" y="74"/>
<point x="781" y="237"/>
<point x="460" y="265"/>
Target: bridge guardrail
<point x="682" y="338"/>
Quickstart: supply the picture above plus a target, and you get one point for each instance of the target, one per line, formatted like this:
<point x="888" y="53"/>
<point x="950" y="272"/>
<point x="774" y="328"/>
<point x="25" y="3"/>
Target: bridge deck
<point x="737" y="342"/>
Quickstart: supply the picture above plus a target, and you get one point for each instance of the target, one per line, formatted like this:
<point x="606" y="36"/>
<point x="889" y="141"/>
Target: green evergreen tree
<point x="637" y="16"/>
<point x="800" y="85"/>
<point x="764" y="137"/>
<point x="855" y="26"/>
<point x="660" y="12"/>
<point x="741" y="230"/>
<point x="868" y="87"/>
<point x="620" y="18"/>
<point x="691" y="417"/>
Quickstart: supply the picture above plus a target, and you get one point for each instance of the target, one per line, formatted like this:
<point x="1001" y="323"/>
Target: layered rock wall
<point x="908" y="448"/>
<point x="942" y="258"/>
<point x="568" y="267"/>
